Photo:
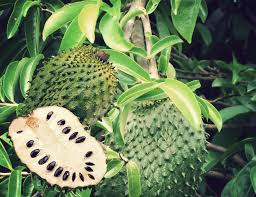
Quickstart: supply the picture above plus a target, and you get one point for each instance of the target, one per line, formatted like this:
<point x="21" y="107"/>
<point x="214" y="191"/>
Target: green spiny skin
<point x="79" y="80"/>
<point x="169" y="152"/>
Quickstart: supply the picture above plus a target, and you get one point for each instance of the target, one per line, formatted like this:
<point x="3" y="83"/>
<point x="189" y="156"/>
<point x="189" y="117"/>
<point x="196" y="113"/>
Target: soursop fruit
<point x="80" y="80"/>
<point x="169" y="152"/>
<point x="54" y="144"/>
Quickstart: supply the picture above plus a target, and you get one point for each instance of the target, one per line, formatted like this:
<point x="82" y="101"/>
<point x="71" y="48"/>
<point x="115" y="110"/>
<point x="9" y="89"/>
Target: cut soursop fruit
<point x="54" y="144"/>
<point x="168" y="150"/>
<point x="80" y="80"/>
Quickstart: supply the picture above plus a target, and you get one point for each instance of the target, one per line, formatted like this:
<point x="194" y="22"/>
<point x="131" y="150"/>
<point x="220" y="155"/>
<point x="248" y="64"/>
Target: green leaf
<point x="156" y="94"/>
<point x="4" y="186"/>
<point x="54" y="4"/>
<point x="229" y="152"/>
<point x="230" y="112"/>
<point x="204" y="108"/>
<point x="253" y="177"/>
<point x="135" y="92"/>
<point x="165" y="43"/>
<point x="152" y="5"/>
<point x="185" y="20"/>
<point x="205" y="33"/>
<point x="127" y="65"/>
<point x="131" y="14"/>
<point x="113" y="35"/>
<point x="194" y="85"/>
<point x="2" y="90"/>
<point x="84" y="193"/>
<point x="87" y="19"/>
<point x="134" y="184"/>
<point x="138" y="51"/>
<point x="28" y="186"/>
<point x="5" y="137"/>
<point x="249" y="151"/>
<point x="32" y="31"/>
<point x="27" y="5"/>
<point x="4" y="4"/>
<point x="119" y="125"/>
<point x="214" y="115"/>
<point x="27" y="72"/>
<point x="114" y="167"/>
<point x="6" y="112"/>
<point x="175" y="6"/>
<point x="62" y="16"/>
<point x="15" y="18"/>
<point x="4" y="158"/>
<point x="11" y="78"/>
<point x="162" y="25"/>
<point x="111" y="154"/>
<point x="203" y="11"/>
<point x="14" y="185"/>
<point x="184" y="99"/>
<point x="73" y="36"/>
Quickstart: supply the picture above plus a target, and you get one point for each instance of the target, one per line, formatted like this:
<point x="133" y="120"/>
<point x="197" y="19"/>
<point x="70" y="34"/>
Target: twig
<point x="147" y="31"/>
<point x="239" y="160"/>
<point x="218" y="175"/>
<point x="3" y="174"/>
<point x="8" y="104"/>
<point x="230" y="126"/>
<point x="222" y="97"/>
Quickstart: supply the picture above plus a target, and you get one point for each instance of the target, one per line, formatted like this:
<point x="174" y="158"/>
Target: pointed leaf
<point x="32" y="31"/>
<point x="156" y="94"/>
<point x="203" y="11"/>
<point x="5" y="137"/>
<point x="87" y="19"/>
<point x="62" y="16"/>
<point x="14" y="185"/>
<point x="134" y="184"/>
<point x="6" y="112"/>
<point x="15" y="18"/>
<point x="114" y="167"/>
<point x="54" y="4"/>
<point x="28" y="186"/>
<point x="214" y="115"/>
<point x="113" y="35"/>
<point x="165" y="43"/>
<point x="249" y="151"/>
<point x="253" y="178"/>
<point x="185" y="100"/>
<point x="73" y="36"/>
<point x="194" y="85"/>
<point x="111" y="154"/>
<point x="27" y="72"/>
<point x="135" y="92"/>
<point x="131" y="14"/>
<point x="152" y="5"/>
<point x="230" y="112"/>
<point x="1" y="90"/>
<point x="205" y="33"/>
<point x="4" y="158"/>
<point x="11" y="78"/>
<point x="127" y="65"/>
<point x="185" y="19"/>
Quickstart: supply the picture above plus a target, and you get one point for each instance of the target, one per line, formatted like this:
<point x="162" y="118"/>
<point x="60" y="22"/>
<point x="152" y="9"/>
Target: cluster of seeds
<point x="87" y="163"/>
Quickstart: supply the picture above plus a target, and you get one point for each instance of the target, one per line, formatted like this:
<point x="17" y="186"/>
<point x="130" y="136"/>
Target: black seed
<point x="88" y="154"/>
<point x="89" y="169"/>
<point x="30" y="143"/>
<point x="73" y="135"/>
<point x="91" y="176"/>
<point x="58" y="171"/>
<point x="34" y="153"/>
<point x="89" y="163"/>
<point x="51" y="165"/>
<point x="80" y="139"/>
<point x="61" y="122"/>
<point x="65" y="176"/>
<point x="74" y="177"/>
<point x="66" y="130"/>
<point x="81" y="177"/>
<point x="43" y="160"/>
<point x="19" y="131"/>
<point x="49" y="115"/>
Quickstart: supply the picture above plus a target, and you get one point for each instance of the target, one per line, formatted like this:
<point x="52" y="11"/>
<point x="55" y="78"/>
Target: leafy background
<point x="209" y="46"/>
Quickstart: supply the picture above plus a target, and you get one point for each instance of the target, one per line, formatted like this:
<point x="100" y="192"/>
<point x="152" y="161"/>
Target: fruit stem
<point x="8" y="104"/>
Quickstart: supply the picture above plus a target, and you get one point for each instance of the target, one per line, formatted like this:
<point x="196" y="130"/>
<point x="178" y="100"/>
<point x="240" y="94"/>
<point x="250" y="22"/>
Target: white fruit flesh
<point x="49" y="138"/>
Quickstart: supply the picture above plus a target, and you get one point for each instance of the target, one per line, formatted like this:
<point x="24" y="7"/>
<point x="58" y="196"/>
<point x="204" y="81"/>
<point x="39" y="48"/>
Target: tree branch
<point x="218" y="175"/>
<point x="236" y="158"/>
<point x="230" y="126"/>
<point x="4" y="174"/>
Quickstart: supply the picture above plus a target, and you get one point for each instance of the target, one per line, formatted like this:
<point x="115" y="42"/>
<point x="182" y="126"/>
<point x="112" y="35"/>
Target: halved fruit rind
<point x="57" y="136"/>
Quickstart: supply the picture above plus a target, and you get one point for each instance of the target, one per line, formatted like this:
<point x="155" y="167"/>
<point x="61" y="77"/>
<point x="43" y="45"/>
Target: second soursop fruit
<point x="78" y="80"/>
<point x="169" y="152"/>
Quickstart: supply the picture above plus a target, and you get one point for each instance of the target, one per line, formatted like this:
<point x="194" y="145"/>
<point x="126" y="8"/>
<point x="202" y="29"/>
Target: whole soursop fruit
<point x="80" y="80"/>
<point x="168" y="150"/>
<point x="53" y="144"/>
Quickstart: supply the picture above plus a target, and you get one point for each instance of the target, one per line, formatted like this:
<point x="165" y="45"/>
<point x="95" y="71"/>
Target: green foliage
<point x="170" y="47"/>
